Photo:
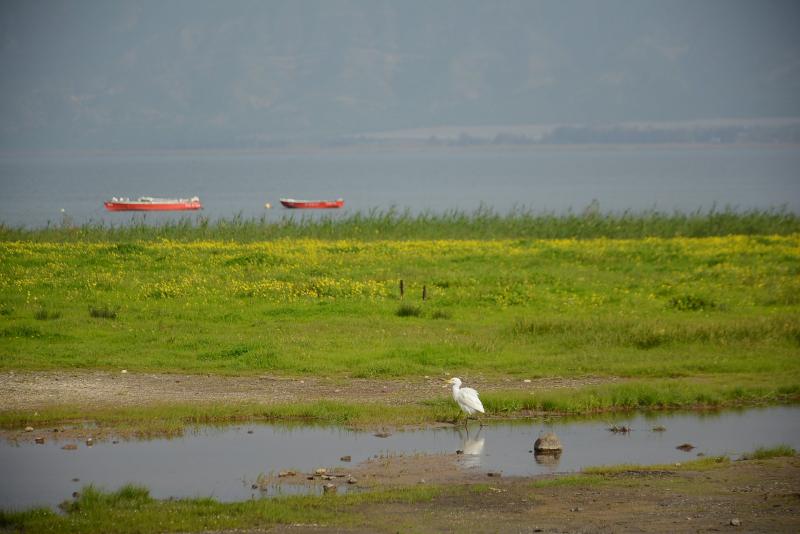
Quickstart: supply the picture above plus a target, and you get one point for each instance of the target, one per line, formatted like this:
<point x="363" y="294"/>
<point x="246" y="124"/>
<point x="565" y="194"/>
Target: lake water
<point x="34" y="189"/>
<point x="224" y="462"/>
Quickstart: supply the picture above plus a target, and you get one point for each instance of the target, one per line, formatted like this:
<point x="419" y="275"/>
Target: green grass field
<point x="718" y="313"/>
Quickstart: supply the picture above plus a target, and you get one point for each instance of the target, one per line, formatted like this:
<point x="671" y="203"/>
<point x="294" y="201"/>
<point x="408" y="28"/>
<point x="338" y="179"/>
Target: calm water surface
<point x="224" y="462"/>
<point x="34" y="190"/>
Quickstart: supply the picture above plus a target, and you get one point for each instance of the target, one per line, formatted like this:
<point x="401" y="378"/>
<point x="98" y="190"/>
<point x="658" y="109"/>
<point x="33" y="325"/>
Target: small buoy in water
<point x="268" y="205"/>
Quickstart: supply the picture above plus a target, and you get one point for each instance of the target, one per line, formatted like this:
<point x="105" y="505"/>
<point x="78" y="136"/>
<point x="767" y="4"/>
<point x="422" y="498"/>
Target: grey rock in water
<point x="547" y="443"/>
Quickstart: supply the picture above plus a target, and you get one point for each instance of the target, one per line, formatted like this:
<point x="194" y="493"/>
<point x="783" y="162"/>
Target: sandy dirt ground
<point x="34" y="390"/>
<point x="744" y="496"/>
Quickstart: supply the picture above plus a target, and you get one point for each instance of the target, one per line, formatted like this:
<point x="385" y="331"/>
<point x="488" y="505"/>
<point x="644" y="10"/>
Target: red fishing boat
<point x="292" y="203"/>
<point x="153" y="204"/>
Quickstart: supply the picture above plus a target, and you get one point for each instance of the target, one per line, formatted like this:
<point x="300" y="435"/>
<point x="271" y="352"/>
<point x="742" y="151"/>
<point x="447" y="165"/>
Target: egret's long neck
<point x="456" y="387"/>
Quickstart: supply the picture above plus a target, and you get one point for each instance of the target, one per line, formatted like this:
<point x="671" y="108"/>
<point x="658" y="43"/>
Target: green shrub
<point x="408" y="310"/>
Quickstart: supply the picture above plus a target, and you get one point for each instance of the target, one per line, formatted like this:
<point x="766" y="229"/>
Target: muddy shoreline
<point x="31" y="390"/>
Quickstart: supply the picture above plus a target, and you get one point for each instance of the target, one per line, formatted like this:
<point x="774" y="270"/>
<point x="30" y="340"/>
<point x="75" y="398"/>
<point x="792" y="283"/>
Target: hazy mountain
<point x="208" y="73"/>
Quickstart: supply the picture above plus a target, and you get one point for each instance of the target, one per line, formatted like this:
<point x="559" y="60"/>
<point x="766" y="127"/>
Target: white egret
<point x="466" y="398"/>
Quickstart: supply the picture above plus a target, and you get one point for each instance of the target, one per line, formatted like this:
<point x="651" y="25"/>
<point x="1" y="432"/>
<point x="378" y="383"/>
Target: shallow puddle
<point x="224" y="463"/>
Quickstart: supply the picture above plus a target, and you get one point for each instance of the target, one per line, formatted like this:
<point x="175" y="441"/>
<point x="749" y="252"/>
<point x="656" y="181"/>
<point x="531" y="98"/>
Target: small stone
<point x="345" y="458"/>
<point x="28" y="429"/>
<point x="70" y="447"/>
<point x="547" y="443"/>
<point x="39" y="439"/>
<point x="329" y="488"/>
<point x="685" y="447"/>
<point x="735" y="522"/>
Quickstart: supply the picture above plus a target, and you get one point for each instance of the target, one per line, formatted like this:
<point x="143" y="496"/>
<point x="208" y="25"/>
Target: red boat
<point x="292" y="203"/>
<point x="153" y="204"/>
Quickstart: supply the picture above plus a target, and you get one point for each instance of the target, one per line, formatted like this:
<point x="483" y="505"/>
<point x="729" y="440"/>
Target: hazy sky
<point x="210" y="73"/>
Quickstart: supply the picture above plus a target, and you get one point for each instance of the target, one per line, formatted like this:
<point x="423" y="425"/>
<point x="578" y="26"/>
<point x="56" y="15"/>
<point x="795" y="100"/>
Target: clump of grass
<point x="45" y="315"/>
<point x="690" y="303"/>
<point x="408" y="310"/>
<point x="23" y="331"/>
<point x="128" y="496"/>
<point x="103" y="312"/>
<point x="132" y="509"/>
<point x="763" y="453"/>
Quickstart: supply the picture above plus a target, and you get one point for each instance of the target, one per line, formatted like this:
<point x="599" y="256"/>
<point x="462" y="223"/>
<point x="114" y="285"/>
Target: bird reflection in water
<point x="472" y="448"/>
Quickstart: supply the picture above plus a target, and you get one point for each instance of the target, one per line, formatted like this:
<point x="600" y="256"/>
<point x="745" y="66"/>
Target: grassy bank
<point x="132" y="509"/>
<point x="685" y="320"/>
<point x="433" y="507"/>
<point x="655" y="307"/>
<point x="612" y="400"/>
<point x="483" y="223"/>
